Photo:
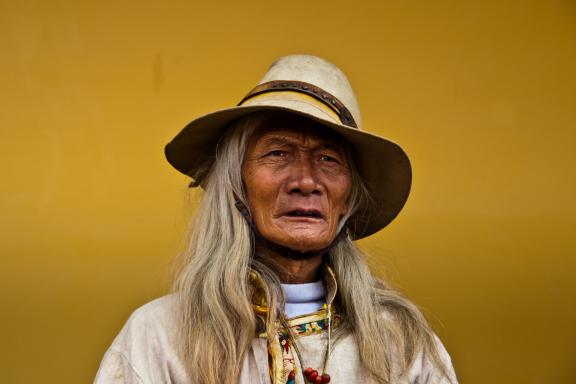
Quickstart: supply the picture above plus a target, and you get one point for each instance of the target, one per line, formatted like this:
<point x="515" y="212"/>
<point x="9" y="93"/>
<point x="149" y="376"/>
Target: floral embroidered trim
<point x="288" y="363"/>
<point x="314" y="327"/>
<point x="311" y="324"/>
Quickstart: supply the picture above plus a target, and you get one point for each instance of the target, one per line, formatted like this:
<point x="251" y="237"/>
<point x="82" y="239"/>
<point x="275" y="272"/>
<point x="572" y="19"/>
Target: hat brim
<point x="383" y="165"/>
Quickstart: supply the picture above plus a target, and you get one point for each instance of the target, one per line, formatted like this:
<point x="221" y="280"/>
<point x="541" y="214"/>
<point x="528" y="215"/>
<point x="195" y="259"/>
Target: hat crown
<point x="319" y="72"/>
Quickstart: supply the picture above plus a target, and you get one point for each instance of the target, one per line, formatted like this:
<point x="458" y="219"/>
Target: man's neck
<point x="294" y="271"/>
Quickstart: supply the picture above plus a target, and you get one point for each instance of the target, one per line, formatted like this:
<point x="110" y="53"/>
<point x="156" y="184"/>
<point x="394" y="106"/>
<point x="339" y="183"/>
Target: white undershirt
<point x="303" y="298"/>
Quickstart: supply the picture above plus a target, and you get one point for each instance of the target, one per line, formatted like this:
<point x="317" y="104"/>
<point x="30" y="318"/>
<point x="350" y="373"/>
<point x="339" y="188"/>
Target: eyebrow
<point x="286" y="140"/>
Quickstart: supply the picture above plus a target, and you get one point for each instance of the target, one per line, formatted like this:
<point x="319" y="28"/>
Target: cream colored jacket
<point x="144" y="353"/>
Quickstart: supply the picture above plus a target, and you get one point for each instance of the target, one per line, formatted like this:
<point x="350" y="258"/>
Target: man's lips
<point x="303" y="213"/>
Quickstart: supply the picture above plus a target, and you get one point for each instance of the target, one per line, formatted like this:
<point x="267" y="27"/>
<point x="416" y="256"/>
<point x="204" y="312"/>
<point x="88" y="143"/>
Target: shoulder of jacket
<point x="155" y="309"/>
<point x="150" y="321"/>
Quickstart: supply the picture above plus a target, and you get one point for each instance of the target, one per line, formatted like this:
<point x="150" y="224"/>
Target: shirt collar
<point x="258" y="285"/>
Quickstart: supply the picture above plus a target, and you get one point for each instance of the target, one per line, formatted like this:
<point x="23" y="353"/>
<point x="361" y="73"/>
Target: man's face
<point x="298" y="182"/>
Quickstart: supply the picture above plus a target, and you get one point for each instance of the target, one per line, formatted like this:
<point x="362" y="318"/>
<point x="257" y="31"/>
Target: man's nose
<point x="304" y="177"/>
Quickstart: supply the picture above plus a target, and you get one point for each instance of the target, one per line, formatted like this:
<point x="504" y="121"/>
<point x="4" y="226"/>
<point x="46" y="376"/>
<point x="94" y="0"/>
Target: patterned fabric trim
<point x="309" y="324"/>
<point x="289" y="365"/>
<point x="312" y="324"/>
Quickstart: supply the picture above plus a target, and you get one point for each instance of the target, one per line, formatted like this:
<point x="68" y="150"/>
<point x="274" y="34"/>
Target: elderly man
<point x="271" y="287"/>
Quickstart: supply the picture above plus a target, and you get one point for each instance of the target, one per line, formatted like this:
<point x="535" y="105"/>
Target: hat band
<point x="311" y="90"/>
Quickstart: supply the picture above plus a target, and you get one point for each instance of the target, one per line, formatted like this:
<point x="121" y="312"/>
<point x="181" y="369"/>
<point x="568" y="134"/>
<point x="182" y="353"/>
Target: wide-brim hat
<point x="312" y="87"/>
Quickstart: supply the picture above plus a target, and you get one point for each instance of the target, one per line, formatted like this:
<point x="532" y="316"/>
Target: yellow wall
<point x="482" y="95"/>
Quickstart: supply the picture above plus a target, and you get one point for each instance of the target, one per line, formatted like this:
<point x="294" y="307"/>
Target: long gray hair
<point x="216" y="322"/>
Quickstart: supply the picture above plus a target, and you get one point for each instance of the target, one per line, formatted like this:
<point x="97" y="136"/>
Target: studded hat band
<point x="311" y="90"/>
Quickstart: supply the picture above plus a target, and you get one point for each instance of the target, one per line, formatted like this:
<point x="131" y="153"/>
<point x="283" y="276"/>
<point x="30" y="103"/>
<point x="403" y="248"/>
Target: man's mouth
<point x="310" y="213"/>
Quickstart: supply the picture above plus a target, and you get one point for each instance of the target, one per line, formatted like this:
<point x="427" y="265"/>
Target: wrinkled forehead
<point x="294" y="129"/>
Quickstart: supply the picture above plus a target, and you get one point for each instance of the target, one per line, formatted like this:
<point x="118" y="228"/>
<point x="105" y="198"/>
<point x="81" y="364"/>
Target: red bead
<point x="291" y="375"/>
<point x="307" y="371"/>
<point x="313" y="376"/>
<point x="318" y="380"/>
<point x="325" y="378"/>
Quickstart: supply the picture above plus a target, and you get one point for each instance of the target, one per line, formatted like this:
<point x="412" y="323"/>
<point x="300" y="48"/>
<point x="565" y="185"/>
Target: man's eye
<point x="328" y="158"/>
<point x="277" y="153"/>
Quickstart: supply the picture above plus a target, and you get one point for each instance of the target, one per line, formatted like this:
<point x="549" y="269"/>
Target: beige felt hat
<point x="311" y="87"/>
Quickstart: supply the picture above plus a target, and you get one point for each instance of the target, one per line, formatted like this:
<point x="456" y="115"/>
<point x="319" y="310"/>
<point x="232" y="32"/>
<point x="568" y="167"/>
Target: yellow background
<point x="481" y="94"/>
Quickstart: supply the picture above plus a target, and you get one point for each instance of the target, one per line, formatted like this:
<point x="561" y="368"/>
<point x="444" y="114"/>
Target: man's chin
<point x="301" y="237"/>
<point x="305" y="243"/>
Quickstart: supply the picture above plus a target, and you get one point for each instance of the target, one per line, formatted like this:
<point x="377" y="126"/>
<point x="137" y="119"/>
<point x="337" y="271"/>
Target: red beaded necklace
<point x="309" y="374"/>
<point x="314" y="377"/>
